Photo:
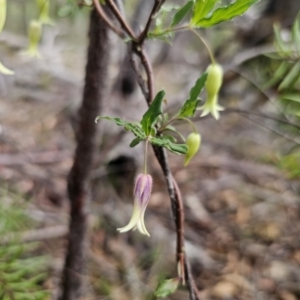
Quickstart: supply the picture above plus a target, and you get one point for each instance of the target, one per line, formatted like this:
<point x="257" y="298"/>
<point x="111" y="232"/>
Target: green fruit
<point x="193" y="141"/>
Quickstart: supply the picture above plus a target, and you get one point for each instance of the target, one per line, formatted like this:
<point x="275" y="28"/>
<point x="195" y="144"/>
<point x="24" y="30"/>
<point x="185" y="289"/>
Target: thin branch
<point x="137" y="48"/>
<point x="270" y="129"/>
<point x="178" y="215"/>
<point x="147" y="86"/>
<point x="108" y="22"/>
<point x="150" y="80"/>
<point x="142" y="83"/>
<point x="261" y="115"/>
<point x="157" y="5"/>
<point x="125" y="26"/>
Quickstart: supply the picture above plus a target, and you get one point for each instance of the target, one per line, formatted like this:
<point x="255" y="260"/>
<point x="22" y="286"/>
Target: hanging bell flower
<point x="141" y="193"/>
<point x="2" y="14"/>
<point x="34" y="36"/>
<point x="3" y="69"/>
<point x="44" y="6"/>
<point x="212" y="86"/>
<point x="193" y="141"/>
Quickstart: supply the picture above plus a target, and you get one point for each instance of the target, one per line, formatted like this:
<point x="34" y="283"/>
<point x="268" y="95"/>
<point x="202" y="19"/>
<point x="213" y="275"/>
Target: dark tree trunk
<point x="78" y="180"/>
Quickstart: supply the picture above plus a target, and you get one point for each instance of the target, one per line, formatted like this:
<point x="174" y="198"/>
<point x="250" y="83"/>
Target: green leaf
<point x="134" y="127"/>
<point x="167" y="287"/>
<point x="291" y="97"/>
<point x="135" y="142"/>
<point x="66" y="10"/>
<point x="225" y="13"/>
<point x="182" y="12"/>
<point x="291" y="77"/>
<point x="151" y="115"/>
<point x="189" y="107"/>
<point x="162" y="141"/>
<point x="278" y="75"/>
<point x="296" y="34"/>
<point x="201" y="9"/>
<point x="177" y="148"/>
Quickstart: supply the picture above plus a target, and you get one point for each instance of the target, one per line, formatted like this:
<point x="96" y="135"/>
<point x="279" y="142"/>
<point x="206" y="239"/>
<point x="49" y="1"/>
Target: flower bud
<point x="141" y="193"/>
<point x="212" y="86"/>
<point x="2" y="14"/>
<point x="193" y="141"/>
<point x="34" y="35"/>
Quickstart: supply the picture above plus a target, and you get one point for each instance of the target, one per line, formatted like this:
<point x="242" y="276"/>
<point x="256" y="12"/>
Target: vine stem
<point x="137" y="48"/>
<point x="146" y="155"/>
<point x="205" y="44"/>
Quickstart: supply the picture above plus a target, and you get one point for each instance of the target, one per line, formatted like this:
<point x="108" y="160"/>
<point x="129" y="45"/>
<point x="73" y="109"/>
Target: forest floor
<point x="242" y="211"/>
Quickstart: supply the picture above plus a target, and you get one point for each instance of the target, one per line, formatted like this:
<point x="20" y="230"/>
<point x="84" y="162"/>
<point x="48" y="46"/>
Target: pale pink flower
<point x="141" y="193"/>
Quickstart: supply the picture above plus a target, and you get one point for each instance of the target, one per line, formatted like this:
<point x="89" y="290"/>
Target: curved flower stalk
<point x="213" y="85"/>
<point x="141" y="193"/>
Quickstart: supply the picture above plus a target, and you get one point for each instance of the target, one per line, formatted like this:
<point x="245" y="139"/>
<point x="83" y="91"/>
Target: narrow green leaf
<point x="167" y="287"/>
<point x="134" y="127"/>
<point x="278" y="75"/>
<point x="135" y="142"/>
<point x="291" y="97"/>
<point x="296" y="34"/>
<point x="118" y="121"/>
<point x="163" y="141"/>
<point x="151" y="115"/>
<point x="189" y="107"/>
<point x="226" y="13"/>
<point x="291" y="78"/>
<point x="66" y="10"/>
<point x="201" y="9"/>
<point x="177" y="148"/>
<point x="182" y="12"/>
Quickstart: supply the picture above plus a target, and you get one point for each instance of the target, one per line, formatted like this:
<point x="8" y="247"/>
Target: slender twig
<point x="137" y="48"/>
<point x="270" y="129"/>
<point x="261" y="115"/>
<point x="108" y="22"/>
<point x="141" y="82"/>
<point x="155" y="9"/>
<point x="126" y="27"/>
<point x="178" y="215"/>
<point x="150" y="80"/>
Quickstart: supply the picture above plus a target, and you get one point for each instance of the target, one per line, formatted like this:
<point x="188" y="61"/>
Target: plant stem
<point x="190" y="122"/>
<point x="146" y="156"/>
<point x="205" y="44"/>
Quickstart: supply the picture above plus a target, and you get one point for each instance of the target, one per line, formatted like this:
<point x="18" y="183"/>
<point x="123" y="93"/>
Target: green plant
<point x="21" y="270"/>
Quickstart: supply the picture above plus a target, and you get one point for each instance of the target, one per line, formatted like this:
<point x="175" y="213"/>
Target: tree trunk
<point x="79" y="176"/>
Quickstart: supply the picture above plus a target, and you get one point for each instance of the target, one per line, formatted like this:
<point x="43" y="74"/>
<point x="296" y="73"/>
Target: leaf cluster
<point x="156" y="126"/>
<point x="287" y="74"/>
<point x="198" y="14"/>
<point x="20" y="274"/>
